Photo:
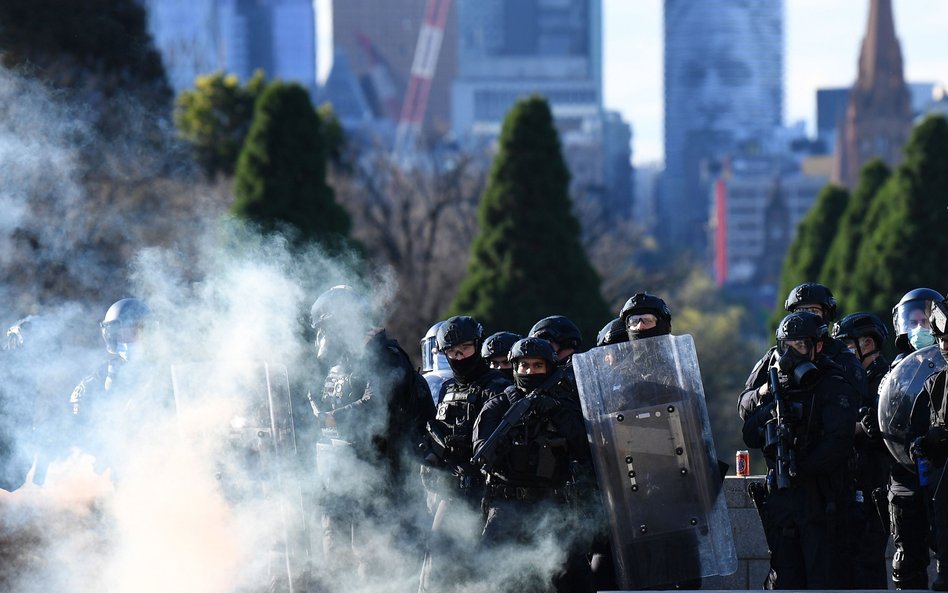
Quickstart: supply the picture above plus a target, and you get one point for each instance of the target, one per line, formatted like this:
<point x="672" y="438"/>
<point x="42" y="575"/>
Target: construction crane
<point x="422" y="71"/>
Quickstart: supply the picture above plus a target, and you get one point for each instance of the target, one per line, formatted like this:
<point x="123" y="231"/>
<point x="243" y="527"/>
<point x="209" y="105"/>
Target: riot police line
<point x="525" y="464"/>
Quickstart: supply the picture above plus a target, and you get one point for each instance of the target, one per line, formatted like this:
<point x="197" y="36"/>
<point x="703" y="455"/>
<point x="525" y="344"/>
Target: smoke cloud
<point x="186" y="476"/>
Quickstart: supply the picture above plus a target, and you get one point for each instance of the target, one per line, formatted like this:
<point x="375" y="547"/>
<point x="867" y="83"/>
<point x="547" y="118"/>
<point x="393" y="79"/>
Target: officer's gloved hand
<point x="544" y="404"/>
<point x="869" y="420"/>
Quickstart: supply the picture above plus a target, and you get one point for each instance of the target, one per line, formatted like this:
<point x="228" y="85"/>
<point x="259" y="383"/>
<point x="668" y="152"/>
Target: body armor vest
<point x="342" y="391"/>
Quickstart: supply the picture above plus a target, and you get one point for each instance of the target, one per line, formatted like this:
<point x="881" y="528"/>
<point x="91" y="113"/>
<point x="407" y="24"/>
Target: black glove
<point x="917" y="449"/>
<point x="869" y="420"/>
<point x="544" y="404"/>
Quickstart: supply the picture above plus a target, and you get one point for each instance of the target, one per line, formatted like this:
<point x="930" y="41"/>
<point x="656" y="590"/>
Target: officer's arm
<point x="756" y="415"/>
<point x="838" y="414"/>
<point x="755" y="381"/>
<point x="488" y="419"/>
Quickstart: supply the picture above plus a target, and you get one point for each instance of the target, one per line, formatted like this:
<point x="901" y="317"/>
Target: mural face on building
<point x="724" y="79"/>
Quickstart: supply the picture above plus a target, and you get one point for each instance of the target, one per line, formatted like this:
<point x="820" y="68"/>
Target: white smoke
<point x="186" y="495"/>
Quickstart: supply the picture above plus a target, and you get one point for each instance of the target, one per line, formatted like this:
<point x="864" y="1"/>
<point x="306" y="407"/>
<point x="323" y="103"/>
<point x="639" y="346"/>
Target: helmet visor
<point x="912" y="315"/>
<point x="429" y="349"/>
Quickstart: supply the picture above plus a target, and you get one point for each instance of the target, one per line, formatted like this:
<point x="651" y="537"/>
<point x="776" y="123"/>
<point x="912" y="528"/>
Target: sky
<point x="822" y="39"/>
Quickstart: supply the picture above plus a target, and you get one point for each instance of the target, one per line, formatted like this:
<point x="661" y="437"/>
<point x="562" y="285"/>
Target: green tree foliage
<point x="807" y="252"/>
<point x="841" y="258"/>
<point x="905" y="242"/>
<point x="527" y="261"/>
<point x="280" y="178"/>
<point x="215" y="117"/>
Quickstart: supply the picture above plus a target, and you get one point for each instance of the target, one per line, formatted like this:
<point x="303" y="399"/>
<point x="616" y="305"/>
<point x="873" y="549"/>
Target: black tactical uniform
<point x="869" y="532"/>
<point x="372" y="410"/>
<point x="455" y="485"/>
<point x="540" y="474"/>
<point x="908" y="512"/>
<point x="932" y="446"/>
<point x="804" y="519"/>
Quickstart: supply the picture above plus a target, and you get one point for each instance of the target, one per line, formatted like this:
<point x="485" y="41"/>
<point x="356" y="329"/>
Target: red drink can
<point x="743" y="463"/>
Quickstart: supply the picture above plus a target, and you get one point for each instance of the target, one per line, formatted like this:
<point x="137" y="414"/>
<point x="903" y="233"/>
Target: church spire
<point x="878" y="115"/>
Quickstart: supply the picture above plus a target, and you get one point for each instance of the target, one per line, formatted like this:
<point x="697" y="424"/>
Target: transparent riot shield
<point x="897" y="394"/>
<point x="240" y="415"/>
<point x="654" y="455"/>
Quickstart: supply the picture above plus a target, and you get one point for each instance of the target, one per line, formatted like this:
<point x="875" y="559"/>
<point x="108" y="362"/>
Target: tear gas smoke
<point x="192" y="481"/>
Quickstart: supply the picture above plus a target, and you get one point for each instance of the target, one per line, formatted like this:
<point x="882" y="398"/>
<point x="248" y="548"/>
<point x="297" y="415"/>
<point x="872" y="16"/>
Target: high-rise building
<point x="185" y="32"/>
<point x="723" y="94"/>
<point x="508" y="49"/>
<point x="236" y="36"/>
<point x="878" y="115"/>
<point x="379" y="40"/>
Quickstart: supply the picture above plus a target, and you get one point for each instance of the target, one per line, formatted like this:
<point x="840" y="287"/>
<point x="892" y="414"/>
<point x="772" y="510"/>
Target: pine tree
<point x="905" y="242"/>
<point x="527" y="261"/>
<point x="281" y="172"/>
<point x="215" y="116"/>
<point x="807" y="252"/>
<point x="844" y="250"/>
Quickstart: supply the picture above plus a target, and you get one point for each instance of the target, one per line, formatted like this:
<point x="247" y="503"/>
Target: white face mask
<point x="921" y="337"/>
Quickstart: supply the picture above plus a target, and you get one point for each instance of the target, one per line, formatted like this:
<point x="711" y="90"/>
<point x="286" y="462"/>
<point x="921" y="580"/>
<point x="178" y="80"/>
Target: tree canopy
<point x="526" y="261"/>
<point x="280" y="180"/>
<point x="215" y="117"/>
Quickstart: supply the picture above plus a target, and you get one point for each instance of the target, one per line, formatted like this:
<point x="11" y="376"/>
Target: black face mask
<point x="529" y="382"/>
<point x="801" y="371"/>
<point x="468" y="369"/>
<point x="661" y="328"/>
<point x="507" y="372"/>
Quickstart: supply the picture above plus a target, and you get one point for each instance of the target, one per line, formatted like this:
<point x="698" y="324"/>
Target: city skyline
<point x="823" y="38"/>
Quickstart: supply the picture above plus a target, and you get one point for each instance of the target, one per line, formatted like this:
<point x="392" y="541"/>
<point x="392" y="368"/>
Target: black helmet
<point x="643" y="302"/>
<point x="801" y="325"/>
<point x="857" y="325"/>
<point x="613" y="332"/>
<point x="939" y="318"/>
<point x="559" y="329"/>
<point x="918" y="299"/>
<point x="122" y="322"/>
<point x="532" y="348"/>
<point x="341" y="302"/>
<point x="811" y="293"/>
<point x="499" y="344"/>
<point x="458" y="330"/>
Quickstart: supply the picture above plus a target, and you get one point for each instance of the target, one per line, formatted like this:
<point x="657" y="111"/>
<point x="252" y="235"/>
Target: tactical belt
<point x="525" y="493"/>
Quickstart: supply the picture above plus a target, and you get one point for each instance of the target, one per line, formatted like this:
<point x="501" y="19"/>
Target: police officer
<point x="110" y="404"/>
<point x="372" y="409"/>
<point x="562" y="334"/>
<point x="613" y="332"/>
<point x="455" y="483"/>
<point x="816" y="299"/>
<point x="807" y="440"/>
<point x="434" y="365"/>
<point x="865" y="334"/>
<point x="532" y="440"/>
<point x="645" y="315"/>
<point x="495" y="350"/>
<point x="932" y="446"/>
<point x="908" y="512"/>
<point x="910" y="318"/>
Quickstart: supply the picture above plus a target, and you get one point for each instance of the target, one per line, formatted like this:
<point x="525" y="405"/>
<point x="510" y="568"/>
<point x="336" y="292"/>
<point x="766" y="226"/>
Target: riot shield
<point x="897" y="394"/>
<point x="651" y="442"/>
<point x="241" y="416"/>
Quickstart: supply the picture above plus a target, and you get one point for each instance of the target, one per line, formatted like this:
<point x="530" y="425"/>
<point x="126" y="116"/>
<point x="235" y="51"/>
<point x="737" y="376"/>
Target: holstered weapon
<point x="880" y="501"/>
<point x="758" y="494"/>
